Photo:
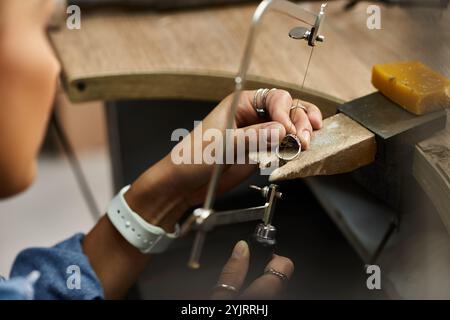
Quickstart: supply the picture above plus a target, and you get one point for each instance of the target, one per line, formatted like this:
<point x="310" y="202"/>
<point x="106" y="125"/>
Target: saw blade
<point x="304" y="78"/>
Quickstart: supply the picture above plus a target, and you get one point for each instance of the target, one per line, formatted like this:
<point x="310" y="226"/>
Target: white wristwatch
<point x="138" y="232"/>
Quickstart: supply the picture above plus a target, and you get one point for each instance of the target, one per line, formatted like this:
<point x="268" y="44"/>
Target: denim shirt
<point x="60" y="272"/>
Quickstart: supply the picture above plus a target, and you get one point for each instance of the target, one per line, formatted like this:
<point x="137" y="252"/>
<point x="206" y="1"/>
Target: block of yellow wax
<point x="412" y="85"/>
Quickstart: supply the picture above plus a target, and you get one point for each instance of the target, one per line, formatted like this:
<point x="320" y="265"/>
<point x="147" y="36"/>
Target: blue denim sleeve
<point x="65" y="271"/>
<point x="16" y="289"/>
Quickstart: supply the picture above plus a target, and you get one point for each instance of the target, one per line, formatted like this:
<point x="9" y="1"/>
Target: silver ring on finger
<point x="259" y="107"/>
<point x="276" y="273"/>
<point x="226" y="287"/>
<point x="265" y="95"/>
<point x="300" y="107"/>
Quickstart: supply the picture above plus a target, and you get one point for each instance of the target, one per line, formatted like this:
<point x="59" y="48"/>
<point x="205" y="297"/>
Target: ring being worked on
<point x="279" y="274"/>
<point x="226" y="287"/>
<point x="289" y="148"/>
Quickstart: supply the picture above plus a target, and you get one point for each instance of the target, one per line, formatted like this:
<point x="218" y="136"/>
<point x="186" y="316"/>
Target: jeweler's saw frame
<point x="205" y="218"/>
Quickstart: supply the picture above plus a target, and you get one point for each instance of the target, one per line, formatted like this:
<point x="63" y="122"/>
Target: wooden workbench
<point x="193" y="56"/>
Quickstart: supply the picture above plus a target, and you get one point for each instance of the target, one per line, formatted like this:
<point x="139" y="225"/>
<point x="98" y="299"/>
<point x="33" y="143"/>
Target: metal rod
<point x="268" y="215"/>
<point x="75" y="164"/>
<point x="194" y="259"/>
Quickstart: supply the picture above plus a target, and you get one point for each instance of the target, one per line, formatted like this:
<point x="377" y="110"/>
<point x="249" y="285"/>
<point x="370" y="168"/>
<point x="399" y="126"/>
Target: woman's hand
<point x="163" y="193"/>
<point x="185" y="184"/>
<point x="268" y="286"/>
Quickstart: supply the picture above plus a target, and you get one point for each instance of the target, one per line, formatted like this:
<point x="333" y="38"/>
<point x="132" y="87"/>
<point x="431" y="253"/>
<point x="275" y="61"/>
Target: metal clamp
<point x="311" y="35"/>
<point x="205" y="220"/>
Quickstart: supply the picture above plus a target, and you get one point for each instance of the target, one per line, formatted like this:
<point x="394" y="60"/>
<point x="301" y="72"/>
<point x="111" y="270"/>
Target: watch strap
<point x="144" y="236"/>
